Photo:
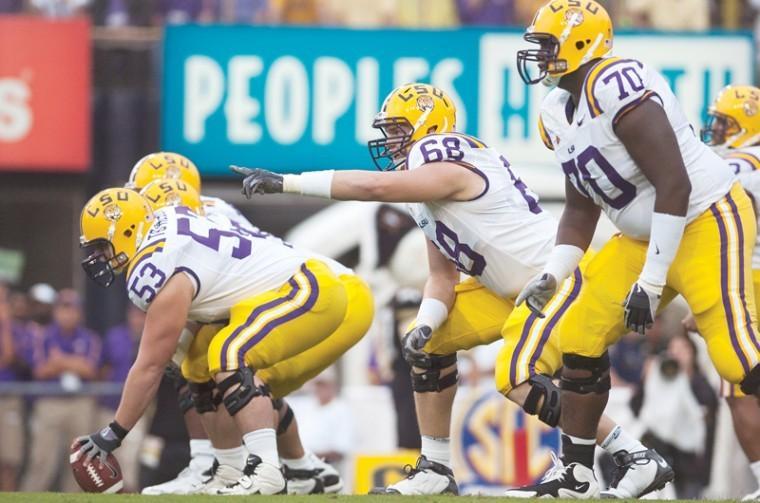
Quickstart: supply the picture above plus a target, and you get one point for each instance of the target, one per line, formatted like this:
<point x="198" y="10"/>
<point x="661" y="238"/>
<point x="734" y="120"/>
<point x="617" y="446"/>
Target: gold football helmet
<point x="168" y="192"/>
<point x="734" y="118"/>
<point x="570" y="33"/>
<point x="112" y="225"/>
<point x="160" y="165"/>
<point x="409" y="113"/>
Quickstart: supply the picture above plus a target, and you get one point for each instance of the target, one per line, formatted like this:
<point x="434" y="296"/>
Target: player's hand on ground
<point x="97" y="445"/>
<point x="259" y="181"/>
<point x="413" y="342"/>
<point x="640" y="307"/>
<point x="537" y="293"/>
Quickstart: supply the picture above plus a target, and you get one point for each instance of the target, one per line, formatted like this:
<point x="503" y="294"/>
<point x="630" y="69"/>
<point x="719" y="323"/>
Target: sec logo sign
<point x="496" y="445"/>
<point x="44" y="94"/>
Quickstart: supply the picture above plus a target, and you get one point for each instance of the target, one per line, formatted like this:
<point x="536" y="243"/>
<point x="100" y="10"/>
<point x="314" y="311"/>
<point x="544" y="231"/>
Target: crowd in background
<point x="655" y="14"/>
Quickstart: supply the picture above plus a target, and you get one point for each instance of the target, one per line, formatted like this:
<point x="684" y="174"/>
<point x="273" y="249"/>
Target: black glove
<point x="640" y="308"/>
<point x="259" y="181"/>
<point x="101" y="444"/>
<point x="413" y="342"/>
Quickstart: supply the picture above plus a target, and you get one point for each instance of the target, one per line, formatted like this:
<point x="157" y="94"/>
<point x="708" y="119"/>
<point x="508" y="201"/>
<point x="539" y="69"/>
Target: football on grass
<point x="96" y="477"/>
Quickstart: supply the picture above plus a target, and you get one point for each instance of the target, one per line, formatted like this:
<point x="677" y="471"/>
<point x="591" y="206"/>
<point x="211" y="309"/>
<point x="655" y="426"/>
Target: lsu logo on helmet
<point x="569" y="33"/>
<point x="734" y="118"/>
<point x="409" y="113"/>
<point x="112" y="226"/>
<point x="160" y="165"/>
<point x="169" y="192"/>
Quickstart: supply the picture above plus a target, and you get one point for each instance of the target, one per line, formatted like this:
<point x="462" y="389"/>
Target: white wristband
<point x="664" y="241"/>
<point x="563" y="261"/>
<point x="432" y="313"/>
<point x="316" y="183"/>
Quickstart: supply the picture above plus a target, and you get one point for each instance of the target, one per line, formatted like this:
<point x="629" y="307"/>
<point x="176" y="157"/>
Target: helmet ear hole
<point x="432" y="129"/>
<point x="580" y="45"/>
<point x="128" y="233"/>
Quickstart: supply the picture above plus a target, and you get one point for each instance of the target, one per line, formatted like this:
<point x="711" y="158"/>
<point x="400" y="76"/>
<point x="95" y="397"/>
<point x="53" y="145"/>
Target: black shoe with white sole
<point x="638" y="473"/>
<point x="571" y="481"/>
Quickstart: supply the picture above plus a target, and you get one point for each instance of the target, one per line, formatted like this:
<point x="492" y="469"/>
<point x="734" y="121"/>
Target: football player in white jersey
<point x="733" y="130"/>
<point x="480" y="219"/>
<point x="685" y="225"/>
<point x="280" y="302"/>
<point x="150" y="175"/>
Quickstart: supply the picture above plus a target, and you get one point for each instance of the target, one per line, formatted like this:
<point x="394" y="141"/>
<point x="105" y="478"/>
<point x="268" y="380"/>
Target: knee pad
<point x="287" y="417"/>
<point x="243" y="393"/>
<point x="203" y="396"/>
<point x="598" y="380"/>
<point x="750" y="385"/>
<point x="542" y="386"/>
<point x="430" y="379"/>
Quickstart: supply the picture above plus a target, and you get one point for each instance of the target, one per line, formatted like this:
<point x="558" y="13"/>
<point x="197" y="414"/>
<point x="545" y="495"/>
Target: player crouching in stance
<point x="479" y="219"/>
<point x="280" y="302"/>
<point x="686" y="226"/>
<point x="166" y="178"/>
<point x="734" y="132"/>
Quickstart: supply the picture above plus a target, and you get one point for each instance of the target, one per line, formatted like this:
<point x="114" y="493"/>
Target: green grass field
<point x="136" y="498"/>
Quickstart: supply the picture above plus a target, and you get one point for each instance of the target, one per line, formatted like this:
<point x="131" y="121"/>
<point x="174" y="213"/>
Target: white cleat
<point x="189" y="480"/>
<point x="331" y="481"/>
<point x="572" y="481"/>
<point x="302" y="481"/>
<point x="426" y="477"/>
<point x="752" y="496"/>
<point x="638" y="473"/>
<point x="224" y="476"/>
<point x="258" y="478"/>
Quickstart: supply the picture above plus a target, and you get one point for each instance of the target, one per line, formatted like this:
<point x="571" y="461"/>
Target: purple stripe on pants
<point x="523" y="337"/>
<point x="550" y="326"/>
<point x="740" y="231"/>
<point x="255" y="314"/>
<point x="724" y="286"/>
<point x="284" y="319"/>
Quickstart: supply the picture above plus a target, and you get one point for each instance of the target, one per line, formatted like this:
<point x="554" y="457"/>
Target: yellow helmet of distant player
<point x="113" y="224"/>
<point x="168" y="192"/>
<point x="160" y="165"/>
<point x="570" y="33"/>
<point x="734" y="118"/>
<point x="409" y="113"/>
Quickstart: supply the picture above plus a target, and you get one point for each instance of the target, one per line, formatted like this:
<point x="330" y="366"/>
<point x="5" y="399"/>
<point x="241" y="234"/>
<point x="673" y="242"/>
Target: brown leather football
<point x="96" y="477"/>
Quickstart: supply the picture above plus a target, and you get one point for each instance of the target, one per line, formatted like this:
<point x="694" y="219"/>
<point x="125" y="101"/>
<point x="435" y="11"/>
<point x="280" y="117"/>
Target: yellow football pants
<point x="276" y="325"/>
<point x="290" y="374"/>
<point x="712" y="271"/>
<point x="479" y="316"/>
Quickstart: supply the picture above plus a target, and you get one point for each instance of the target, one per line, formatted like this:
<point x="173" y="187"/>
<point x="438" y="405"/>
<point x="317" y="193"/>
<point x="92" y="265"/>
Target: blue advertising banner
<point x="300" y="99"/>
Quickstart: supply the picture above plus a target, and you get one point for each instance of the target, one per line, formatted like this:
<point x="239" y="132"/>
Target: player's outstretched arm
<point x="430" y="182"/>
<point x="652" y="144"/>
<point x="164" y="322"/>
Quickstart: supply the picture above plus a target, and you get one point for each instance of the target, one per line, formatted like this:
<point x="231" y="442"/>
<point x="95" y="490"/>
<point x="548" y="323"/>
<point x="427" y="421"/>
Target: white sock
<point x="303" y="463"/>
<point x="436" y="449"/>
<point x="755" y="467"/>
<point x="235" y="457"/>
<point x="581" y="441"/>
<point x="263" y="443"/>
<point x="619" y="440"/>
<point x="201" y="447"/>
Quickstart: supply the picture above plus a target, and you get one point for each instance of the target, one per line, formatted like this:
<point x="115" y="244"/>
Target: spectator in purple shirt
<point x="119" y="351"/>
<point x="12" y="341"/>
<point x="65" y="353"/>
<point x="486" y="12"/>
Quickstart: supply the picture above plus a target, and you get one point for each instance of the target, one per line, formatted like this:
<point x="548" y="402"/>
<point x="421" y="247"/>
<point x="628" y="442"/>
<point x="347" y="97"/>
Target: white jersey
<point x="745" y="164"/>
<point x="225" y="262"/>
<point x="220" y="211"/>
<point x="597" y="163"/>
<point x="502" y="237"/>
